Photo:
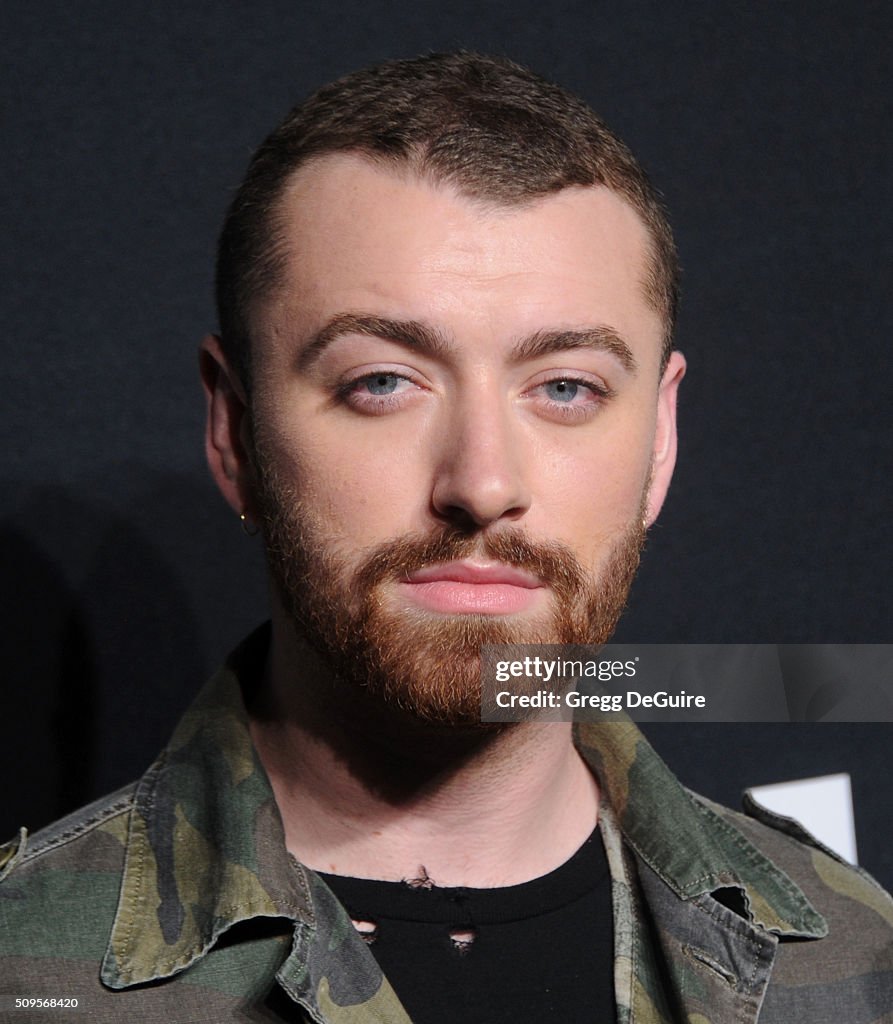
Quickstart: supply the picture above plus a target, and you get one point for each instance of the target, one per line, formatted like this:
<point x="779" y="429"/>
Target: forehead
<point x="360" y="237"/>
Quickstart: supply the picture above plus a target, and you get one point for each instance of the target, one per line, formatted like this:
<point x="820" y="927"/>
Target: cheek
<point x="593" y="484"/>
<point x="360" y="485"/>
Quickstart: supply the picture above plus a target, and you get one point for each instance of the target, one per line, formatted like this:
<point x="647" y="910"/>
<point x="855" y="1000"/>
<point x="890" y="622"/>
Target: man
<point x="444" y="388"/>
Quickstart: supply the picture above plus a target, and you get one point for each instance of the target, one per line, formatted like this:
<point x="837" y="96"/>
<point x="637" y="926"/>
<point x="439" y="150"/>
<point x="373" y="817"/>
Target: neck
<point x="370" y="792"/>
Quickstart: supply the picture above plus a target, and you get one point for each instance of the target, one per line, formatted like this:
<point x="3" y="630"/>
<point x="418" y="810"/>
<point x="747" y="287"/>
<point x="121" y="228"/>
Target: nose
<point x="480" y="476"/>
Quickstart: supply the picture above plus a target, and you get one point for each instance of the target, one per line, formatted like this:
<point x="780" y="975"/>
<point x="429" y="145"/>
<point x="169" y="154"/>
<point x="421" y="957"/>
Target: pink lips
<point x="463" y="587"/>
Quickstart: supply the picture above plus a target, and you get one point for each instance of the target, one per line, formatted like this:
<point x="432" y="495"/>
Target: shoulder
<point x="59" y="888"/>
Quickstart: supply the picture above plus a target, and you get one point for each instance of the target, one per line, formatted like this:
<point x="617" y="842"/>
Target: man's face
<point x="459" y="424"/>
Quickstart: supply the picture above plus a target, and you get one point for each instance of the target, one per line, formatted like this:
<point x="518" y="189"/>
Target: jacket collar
<point x="683" y="839"/>
<point x="206" y="847"/>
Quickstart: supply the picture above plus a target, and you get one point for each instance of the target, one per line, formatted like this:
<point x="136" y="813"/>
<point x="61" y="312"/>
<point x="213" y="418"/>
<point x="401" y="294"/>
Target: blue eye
<point x="562" y="390"/>
<point x="382" y="383"/>
<point x="378" y="392"/>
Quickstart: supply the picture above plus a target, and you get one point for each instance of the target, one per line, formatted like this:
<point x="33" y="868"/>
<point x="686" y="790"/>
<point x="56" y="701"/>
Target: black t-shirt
<point x="540" y="951"/>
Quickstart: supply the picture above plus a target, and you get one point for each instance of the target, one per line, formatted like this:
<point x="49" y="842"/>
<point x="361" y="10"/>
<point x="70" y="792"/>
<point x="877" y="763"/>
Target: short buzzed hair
<point x="492" y="129"/>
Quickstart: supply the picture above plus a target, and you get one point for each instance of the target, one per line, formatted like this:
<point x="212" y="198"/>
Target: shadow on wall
<point x="104" y="643"/>
<point x="49" y="693"/>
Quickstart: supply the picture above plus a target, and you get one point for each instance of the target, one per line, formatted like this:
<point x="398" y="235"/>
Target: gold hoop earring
<point x="248" y="528"/>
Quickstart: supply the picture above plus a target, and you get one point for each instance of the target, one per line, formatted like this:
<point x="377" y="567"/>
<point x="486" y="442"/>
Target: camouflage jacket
<point x="175" y="900"/>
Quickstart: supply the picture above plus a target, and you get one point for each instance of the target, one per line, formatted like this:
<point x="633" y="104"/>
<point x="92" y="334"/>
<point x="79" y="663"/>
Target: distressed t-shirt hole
<point x="462" y="939"/>
<point x="368" y="931"/>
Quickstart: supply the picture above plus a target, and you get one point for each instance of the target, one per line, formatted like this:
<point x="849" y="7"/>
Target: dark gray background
<point x="125" y="128"/>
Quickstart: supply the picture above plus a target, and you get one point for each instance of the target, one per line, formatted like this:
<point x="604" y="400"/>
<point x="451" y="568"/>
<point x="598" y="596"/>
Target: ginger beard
<point x="424" y="664"/>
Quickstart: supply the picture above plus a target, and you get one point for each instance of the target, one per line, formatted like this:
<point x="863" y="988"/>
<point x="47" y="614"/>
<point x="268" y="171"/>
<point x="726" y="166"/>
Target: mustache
<point x="553" y="562"/>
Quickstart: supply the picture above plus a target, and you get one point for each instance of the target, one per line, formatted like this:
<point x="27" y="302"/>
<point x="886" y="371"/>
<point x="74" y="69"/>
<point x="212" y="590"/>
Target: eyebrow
<point x="601" y="338"/>
<point x="425" y="339"/>
<point x="411" y="333"/>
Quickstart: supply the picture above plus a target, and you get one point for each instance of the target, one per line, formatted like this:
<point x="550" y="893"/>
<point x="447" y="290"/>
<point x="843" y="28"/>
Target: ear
<point x="664" y="451"/>
<point x="227" y="430"/>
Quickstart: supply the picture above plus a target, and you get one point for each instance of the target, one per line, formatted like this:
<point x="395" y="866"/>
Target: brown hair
<point x="491" y="128"/>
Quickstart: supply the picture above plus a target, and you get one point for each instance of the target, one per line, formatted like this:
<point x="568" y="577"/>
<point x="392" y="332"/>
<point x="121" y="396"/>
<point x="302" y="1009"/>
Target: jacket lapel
<point x="698" y="908"/>
<point x="716" y="964"/>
